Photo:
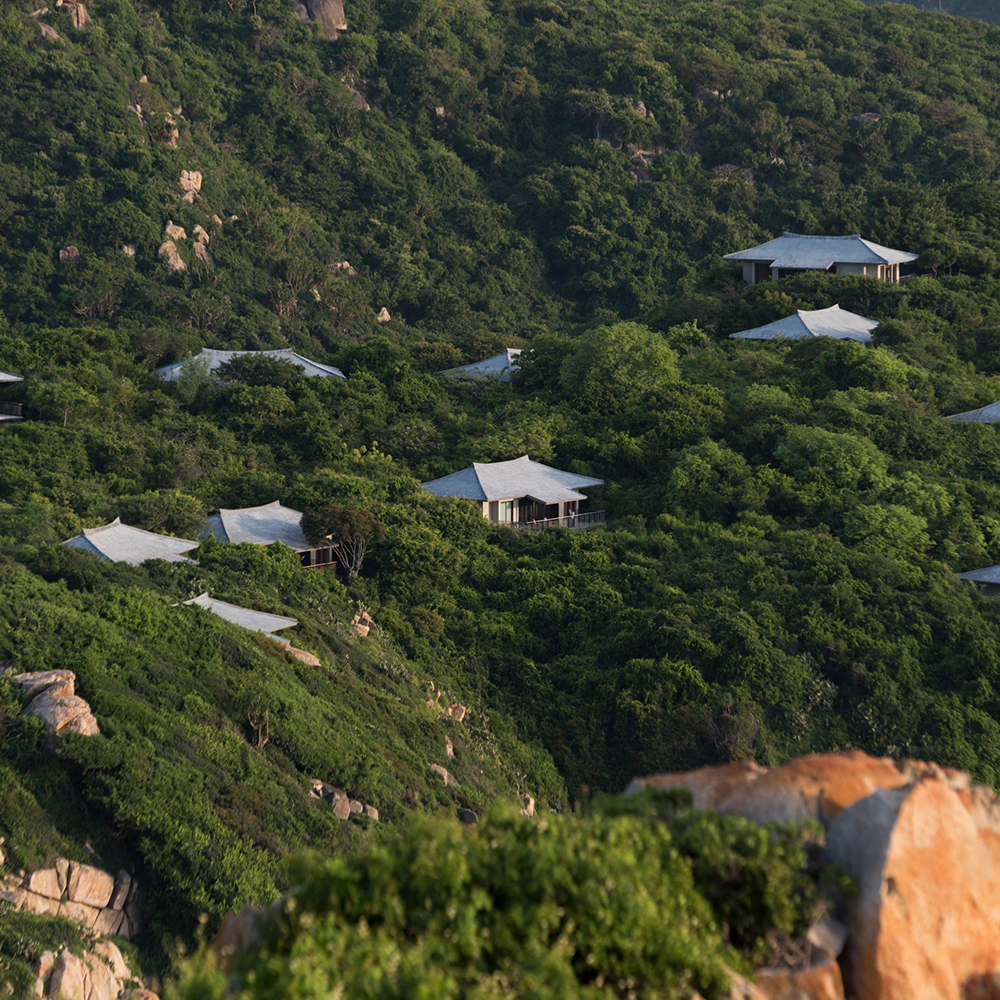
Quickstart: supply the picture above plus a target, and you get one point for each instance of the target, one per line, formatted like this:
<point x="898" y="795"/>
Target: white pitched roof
<point x="821" y="252"/>
<point x="123" y="543"/>
<point x="10" y="377"/>
<point x="831" y="322"/>
<point x="262" y="525"/>
<point x="171" y="373"/>
<point x="989" y="414"/>
<point x="991" y="574"/>
<point x="498" y="367"/>
<point x="255" y="621"/>
<point x="520" y="477"/>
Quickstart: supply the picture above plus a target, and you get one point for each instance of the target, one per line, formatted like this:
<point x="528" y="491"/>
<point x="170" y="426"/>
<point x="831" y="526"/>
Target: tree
<point x="350" y="532"/>
<point x="258" y="370"/>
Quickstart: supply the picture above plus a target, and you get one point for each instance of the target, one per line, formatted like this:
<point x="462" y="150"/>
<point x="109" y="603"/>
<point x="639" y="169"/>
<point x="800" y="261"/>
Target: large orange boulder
<point x="925" y="924"/>
<point x="818" y="787"/>
<point x="923" y="846"/>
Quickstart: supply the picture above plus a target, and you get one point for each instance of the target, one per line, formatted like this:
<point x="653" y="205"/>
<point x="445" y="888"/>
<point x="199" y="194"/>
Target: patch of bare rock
<point x="923" y="846"/>
<point x="89" y="896"/>
<point x="51" y="696"/>
<point x="342" y="804"/>
<point x="99" y="974"/>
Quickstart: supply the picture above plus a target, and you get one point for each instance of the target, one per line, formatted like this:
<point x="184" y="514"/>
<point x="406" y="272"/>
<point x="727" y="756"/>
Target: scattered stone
<point x="2" y="858"/>
<point x="174" y="232"/>
<point x="383" y="316"/>
<point x="168" y="249"/>
<point x="821" y="981"/>
<point x="204" y="255"/>
<point x="457" y="712"/>
<point x="68" y="254"/>
<point x="868" y="118"/>
<point x="33" y="684"/>
<point x="371" y="812"/>
<point x="447" y="776"/>
<point x="128" y="250"/>
<point x="49" y="32"/>
<point x="355" y="806"/>
<point x="527" y="805"/>
<point x="709" y="96"/>
<point x="62" y="714"/>
<point x="640" y="108"/>
<point x="200" y="235"/>
<point x="343" y="265"/>
<point x="40" y="12"/>
<point x="143" y="78"/>
<point x="108" y="921"/>
<point x="468" y="816"/>
<point x="301" y="13"/>
<point x="79" y="16"/>
<point x="111" y="954"/>
<point x="304" y="656"/>
<point x="362" y="623"/>
<point x="449" y="748"/>
<point x="217" y="221"/>
<point x="190" y="183"/>
<point x="440" y="112"/>
<point x="828" y="936"/>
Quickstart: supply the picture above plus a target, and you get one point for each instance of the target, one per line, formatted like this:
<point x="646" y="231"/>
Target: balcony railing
<point x="10" y="409"/>
<point x="581" y="522"/>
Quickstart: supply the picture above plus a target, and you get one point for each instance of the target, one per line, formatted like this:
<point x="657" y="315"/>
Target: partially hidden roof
<point x="212" y="360"/>
<point x="255" y="621"/>
<point x="519" y="477"/>
<point x="831" y="322"/>
<point x="989" y="414"/>
<point x="10" y="377"/>
<point x="498" y="367"/>
<point x="123" y="543"/>
<point x="793" y="250"/>
<point x="262" y="525"/>
<point x="991" y="574"/>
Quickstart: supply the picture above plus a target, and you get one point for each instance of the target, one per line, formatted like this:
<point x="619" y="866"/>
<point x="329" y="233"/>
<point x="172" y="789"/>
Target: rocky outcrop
<point x="923" y="845"/>
<point x="343" y="805"/>
<point x="362" y="623"/>
<point x="82" y="893"/>
<point x="446" y="776"/>
<point x="50" y="696"/>
<point x="383" y="316"/>
<point x="68" y="254"/>
<point x="174" y="232"/>
<point x="168" y="251"/>
<point x="456" y="711"/>
<point x="201" y="251"/>
<point x="48" y="32"/>
<point x="79" y="15"/>
<point x="329" y="14"/>
<point x="190" y="185"/>
<point x="99" y="974"/>
<point x="304" y="656"/>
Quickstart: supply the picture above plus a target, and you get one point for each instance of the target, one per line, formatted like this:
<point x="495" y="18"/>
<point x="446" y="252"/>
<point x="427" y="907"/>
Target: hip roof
<point x="518" y="477"/>
<point x="830" y="322"/>
<point x="793" y="250"/>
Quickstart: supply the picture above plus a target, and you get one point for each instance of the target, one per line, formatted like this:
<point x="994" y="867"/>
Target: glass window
<point x="506" y="511"/>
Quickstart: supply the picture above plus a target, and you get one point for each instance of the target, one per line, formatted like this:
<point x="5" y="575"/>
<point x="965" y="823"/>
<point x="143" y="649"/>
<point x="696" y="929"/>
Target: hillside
<point x="785" y="520"/>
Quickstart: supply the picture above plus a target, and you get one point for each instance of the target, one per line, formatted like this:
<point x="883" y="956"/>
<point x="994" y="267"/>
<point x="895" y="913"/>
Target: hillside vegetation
<point x="786" y="521"/>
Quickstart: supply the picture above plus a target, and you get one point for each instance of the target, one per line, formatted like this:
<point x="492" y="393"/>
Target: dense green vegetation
<point x="785" y="521"/>
<point x="627" y="902"/>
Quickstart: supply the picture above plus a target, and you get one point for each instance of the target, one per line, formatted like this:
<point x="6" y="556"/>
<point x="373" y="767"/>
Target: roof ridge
<point x="812" y="236"/>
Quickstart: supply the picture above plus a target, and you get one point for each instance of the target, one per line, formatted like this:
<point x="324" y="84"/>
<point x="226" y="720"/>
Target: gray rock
<point x="468" y="816"/>
<point x="123" y="883"/>
<point x="330" y="16"/>
<point x="355" y="806"/>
